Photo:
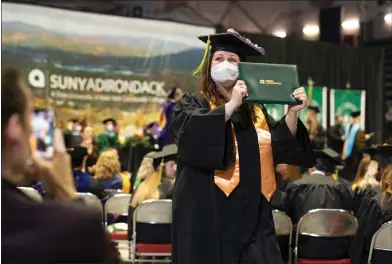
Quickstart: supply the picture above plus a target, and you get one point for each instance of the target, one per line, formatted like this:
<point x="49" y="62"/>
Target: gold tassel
<point x="202" y="64"/>
<point x="161" y="166"/>
<point x="336" y="175"/>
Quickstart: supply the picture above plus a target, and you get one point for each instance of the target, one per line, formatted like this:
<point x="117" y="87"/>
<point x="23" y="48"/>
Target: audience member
<point x="61" y="230"/>
<point x="108" y="169"/>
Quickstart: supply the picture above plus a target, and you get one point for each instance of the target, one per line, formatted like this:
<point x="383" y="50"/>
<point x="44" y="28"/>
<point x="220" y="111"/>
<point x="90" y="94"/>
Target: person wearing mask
<point x="353" y="145"/>
<point x="72" y="231"/>
<point x="336" y="135"/>
<point x="165" y="117"/>
<point x="316" y="131"/>
<point x="226" y="162"/>
<point x="159" y="185"/>
<point x="109" y="138"/>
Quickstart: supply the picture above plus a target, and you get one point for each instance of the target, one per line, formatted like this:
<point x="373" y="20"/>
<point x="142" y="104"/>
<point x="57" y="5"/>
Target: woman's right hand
<point x="240" y="91"/>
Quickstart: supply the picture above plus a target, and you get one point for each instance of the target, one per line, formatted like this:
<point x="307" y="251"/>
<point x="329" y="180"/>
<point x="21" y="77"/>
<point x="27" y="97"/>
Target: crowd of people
<point x="224" y="164"/>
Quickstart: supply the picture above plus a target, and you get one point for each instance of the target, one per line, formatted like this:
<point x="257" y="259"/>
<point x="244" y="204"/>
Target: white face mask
<point x="224" y="73"/>
<point x="109" y="128"/>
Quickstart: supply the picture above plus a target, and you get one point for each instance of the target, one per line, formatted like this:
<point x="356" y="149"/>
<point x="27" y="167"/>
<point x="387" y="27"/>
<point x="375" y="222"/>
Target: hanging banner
<point x="95" y="66"/>
<point x="343" y="102"/>
<point x="277" y="111"/>
<point x="319" y="99"/>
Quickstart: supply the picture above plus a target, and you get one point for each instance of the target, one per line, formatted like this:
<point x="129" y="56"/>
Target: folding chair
<point x="119" y="204"/>
<point x="325" y="224"/>
<point x="284" y="231"/>
<point x="151" y="212"/>
<point x="31" y="193"/>
<point x="381" y="243"/>
<point x="91" y="200"/>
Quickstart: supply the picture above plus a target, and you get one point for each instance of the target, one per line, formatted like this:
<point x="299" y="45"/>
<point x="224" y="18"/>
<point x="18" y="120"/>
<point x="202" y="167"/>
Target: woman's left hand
<point x="299" y="94"/>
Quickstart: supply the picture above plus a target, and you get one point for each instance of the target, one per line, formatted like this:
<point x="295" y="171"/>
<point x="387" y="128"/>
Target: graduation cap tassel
<point x="161" y="166"/>
<point x="202" y="64"/>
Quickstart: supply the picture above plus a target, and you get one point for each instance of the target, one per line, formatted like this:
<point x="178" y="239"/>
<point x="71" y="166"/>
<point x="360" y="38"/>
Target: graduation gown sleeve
<point x="293" y="150"/>
<point x="200" y="133"/>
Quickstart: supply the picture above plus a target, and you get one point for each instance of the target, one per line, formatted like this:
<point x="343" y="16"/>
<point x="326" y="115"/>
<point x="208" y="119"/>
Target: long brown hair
<point x="386" y="184"/>
<point x="209" y="91"/>
<point x="361" y="171"/>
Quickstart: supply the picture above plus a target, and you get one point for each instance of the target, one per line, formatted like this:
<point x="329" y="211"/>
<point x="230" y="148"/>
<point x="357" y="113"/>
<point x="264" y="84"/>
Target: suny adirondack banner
<point x="343" y="102"/>
<point x="319" y="99"/>
<point x="94" y="66"/>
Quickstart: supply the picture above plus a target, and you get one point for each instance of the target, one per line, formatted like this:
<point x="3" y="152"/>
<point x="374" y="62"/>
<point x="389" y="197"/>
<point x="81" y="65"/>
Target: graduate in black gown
<point x="374" y="212"/>
<point x="336" y="135"/>
<point x="221" y="212"/>
<point x="159" y="185"/>
<point x="320" y="191"/>
<point x="316" y="131"/>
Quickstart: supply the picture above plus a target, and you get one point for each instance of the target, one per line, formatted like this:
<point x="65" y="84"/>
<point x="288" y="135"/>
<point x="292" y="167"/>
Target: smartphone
<point x="43" y="126"/>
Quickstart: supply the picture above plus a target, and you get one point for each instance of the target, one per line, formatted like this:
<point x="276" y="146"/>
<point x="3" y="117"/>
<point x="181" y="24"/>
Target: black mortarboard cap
<point x="382" y="154"/>
<point x="168" y="153"/>
<point x="231" y="41"/>
<point x="110" y="120"/>
<point x="77" y="155"/>
<point x="172" y="93"/>
<point x="314" y="108"/>
<point x="328" y="160"/>
<point x="355" y="114"/>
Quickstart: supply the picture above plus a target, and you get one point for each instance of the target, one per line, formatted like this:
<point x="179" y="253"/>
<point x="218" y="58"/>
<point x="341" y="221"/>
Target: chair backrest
<point x="153" y="212"/>
<point x="112" y="192"/>
<point x="327" y="223"/>
<point x="118" y="204"/>
<point x="91" y="200"/>
<point x="382" y="239"/>
<point x="31" y="193"/>
<point x="282" y="222"/>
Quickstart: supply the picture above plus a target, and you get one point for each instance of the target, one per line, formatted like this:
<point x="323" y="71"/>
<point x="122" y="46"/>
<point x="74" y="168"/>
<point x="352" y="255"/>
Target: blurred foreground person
<point x="320" y="191"/>
<point x="226" y="162"/>
<point x="60" y="230"/>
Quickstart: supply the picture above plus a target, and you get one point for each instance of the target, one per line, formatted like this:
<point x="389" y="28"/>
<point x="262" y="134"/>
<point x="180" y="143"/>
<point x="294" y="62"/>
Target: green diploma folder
<point x="269" y="83"/>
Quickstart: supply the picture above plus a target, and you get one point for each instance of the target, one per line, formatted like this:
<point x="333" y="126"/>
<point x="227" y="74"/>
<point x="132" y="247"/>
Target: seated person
<point x="159" y="185"/>
<point x="107" y="170"/>
<point x="84" y="182"/>
<point x="365" y="185"/>
<point x="315" y="191"/>
<point x="373" y="213"/>
<point x="145" y="170"/>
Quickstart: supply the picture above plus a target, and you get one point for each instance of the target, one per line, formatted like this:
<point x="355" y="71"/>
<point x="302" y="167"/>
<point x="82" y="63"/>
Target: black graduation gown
<point x="352" y="162"/>
<point x="205" y="143"/>
<point x="371" y="217"/>
<point x="319" y="139"/>
<point x="317" y="191"/>
<point x="362" y="195"/>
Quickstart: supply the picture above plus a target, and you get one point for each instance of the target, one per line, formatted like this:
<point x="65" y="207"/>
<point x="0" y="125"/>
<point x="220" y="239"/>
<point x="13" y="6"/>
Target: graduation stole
<point x="228" y="179"/>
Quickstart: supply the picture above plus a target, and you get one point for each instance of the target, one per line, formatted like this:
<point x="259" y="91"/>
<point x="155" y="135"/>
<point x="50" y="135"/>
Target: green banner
<point x="343" y="102"/>
<point x="319" y="99"/>
<point x="277" y="111"/>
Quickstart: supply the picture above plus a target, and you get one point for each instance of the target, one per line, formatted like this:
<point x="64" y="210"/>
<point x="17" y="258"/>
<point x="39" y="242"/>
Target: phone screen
<point x="42" y="122"/>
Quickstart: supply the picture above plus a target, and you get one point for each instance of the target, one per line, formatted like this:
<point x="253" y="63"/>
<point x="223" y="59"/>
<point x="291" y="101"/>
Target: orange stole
<point x="227" y="180"/>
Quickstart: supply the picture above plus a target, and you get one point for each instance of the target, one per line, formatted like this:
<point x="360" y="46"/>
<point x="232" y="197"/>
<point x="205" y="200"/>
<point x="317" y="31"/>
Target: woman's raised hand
<point x="240" y="91"/>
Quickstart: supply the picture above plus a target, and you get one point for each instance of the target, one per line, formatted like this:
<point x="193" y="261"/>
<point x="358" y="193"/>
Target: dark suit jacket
<point x="51" y="231"/>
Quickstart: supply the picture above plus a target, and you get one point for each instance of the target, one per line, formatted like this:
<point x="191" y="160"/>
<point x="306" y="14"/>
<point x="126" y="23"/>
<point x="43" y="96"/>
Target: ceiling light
<point x="350" y="24"/>
<point x="388" y="18"/>
<point x="311" y="30"/>
<point x="280" y="33"/>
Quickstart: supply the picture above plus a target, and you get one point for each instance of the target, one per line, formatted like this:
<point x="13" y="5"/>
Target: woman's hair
<point x="361" y="171"/>
<point x="146" y="168"/>
<point x="386" y="184"/>
<point x="210" y="92"/>
<point x="369" y="180"/>
<point x="14" y="97"/>
<point x="107" y="165"/>
<point x="148" y="189"/>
